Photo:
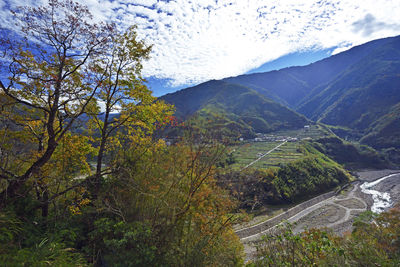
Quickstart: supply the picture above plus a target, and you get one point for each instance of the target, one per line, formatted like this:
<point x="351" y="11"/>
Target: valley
<point x="339" y="113"/>
<point x="335" y="210"/>
<point x="299" y="138"/>
<point x="354" y="93"/>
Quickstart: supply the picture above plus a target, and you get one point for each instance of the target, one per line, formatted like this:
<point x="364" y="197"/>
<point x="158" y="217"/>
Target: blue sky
<point x="198" y="40"/>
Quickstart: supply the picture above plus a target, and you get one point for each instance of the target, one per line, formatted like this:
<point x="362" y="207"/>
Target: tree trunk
<point x="45" y="203"/>
<point x="11" y="192"/>
<point x="100" y="155"/>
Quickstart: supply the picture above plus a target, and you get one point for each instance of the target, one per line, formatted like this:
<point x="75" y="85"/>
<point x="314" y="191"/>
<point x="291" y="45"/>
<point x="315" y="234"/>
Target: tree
<point x="283" y="247"/>
<point x="50" y="75"/>
<point x="373" y="242"/>
<point x="121" y="89"/>
<point x="61" y="67"/>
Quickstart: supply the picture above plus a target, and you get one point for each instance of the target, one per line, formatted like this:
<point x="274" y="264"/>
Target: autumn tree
<point x="74" y="93"/>
<point x="61" y="67"/>
<point x="121" y="90"/>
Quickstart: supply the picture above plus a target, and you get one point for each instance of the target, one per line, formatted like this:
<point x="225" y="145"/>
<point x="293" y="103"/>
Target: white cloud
<point x="198" y="40"/>
<point x="341" y="48"/>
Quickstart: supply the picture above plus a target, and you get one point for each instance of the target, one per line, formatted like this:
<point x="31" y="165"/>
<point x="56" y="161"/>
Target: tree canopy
<point x="62" y="68"/>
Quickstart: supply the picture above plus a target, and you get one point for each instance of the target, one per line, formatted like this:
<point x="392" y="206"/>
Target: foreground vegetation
<point x="159" y="207"/>
<point x="83" y="186"/>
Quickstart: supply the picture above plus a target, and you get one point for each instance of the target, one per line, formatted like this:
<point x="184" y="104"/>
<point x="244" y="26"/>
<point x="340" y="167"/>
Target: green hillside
<point x="385" y="131"/>
<point x="233" y="107"/>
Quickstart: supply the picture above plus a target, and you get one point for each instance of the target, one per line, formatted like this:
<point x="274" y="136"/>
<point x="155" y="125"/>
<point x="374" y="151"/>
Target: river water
<point x="382" y="200"/>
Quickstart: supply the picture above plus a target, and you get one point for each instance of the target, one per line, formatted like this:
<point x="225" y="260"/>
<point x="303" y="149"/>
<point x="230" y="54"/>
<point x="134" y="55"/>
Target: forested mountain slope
<point x="234" y="107"/>
<point x="295" y="85"/>
<point x="364" y="97"/>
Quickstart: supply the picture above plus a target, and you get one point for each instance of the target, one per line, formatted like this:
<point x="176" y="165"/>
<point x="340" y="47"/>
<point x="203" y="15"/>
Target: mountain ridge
<point x="322" y="71"/>
<point x="355" y="89"/>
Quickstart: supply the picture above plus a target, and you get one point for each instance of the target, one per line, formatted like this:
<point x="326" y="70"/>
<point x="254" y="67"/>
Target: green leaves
<point x="124" y="244"/>
<point x="43" y="252"/>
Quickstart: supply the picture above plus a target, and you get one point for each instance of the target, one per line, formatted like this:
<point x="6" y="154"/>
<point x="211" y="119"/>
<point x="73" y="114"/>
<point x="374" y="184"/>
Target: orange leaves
<point x="169" y="121"/>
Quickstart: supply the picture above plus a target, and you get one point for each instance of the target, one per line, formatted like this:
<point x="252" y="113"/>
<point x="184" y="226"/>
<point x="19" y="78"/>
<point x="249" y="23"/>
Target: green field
<point x="249" y="151"/>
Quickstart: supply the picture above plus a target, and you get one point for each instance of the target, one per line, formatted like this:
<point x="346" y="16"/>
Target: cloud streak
<point x="194" y="41"/>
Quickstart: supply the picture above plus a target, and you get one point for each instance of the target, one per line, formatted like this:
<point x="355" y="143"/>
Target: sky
<point x="198" y="40"/>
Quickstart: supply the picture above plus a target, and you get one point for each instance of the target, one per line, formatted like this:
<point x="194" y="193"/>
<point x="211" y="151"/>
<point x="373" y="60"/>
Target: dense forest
<point x="87" y="180"/>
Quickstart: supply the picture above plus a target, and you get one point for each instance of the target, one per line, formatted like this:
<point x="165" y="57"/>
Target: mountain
<point x="373" y="79"/>
<point x="364" y="97"/>
<point x="233" y="107"/>
<point x="293" y="86"/>
<point x="357" y="91"/>
<point x="385" y="131"/>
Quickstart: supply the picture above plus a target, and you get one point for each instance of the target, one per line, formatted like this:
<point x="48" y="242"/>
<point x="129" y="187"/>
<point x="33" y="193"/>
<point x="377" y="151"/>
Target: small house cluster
<point x="260" y="137"/>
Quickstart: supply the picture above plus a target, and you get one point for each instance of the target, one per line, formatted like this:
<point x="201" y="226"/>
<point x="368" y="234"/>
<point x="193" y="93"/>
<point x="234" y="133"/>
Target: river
<point x="382" y="200"/>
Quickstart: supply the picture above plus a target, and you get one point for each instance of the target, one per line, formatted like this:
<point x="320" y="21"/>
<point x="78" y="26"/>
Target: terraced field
<point x="249" y="151"/>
